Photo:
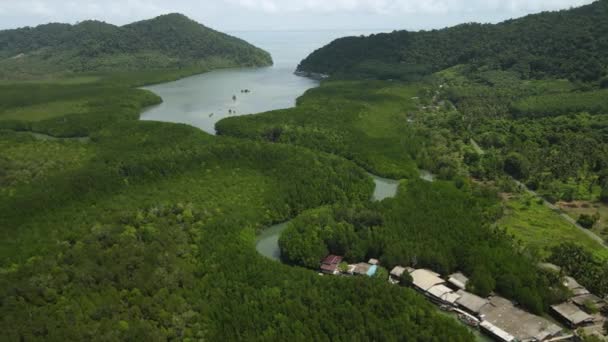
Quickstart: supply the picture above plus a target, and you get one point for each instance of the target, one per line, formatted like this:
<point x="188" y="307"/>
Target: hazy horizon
<point x="277" y="15"/>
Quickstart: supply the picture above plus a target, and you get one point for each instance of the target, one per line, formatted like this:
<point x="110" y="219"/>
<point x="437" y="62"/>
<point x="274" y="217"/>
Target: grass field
<point x="575" y="209"/>
<point x="540" y="228"/>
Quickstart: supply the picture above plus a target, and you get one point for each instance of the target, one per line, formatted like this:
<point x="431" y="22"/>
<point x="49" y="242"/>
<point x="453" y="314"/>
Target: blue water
<point x="202" y="100"/>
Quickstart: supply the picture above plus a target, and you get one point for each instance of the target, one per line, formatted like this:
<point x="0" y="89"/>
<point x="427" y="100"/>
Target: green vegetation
<point x="565" y="44"/>
<point x="146" y="230"/>
<point x="579" y="263"/>
<point x="126" y="236"/>
<point x="541" y="229"/>
<point x="593" y="102"/>
<point x="362" y="121"/>
<point x="167" y="42"/>
<point x="433" y="225"/>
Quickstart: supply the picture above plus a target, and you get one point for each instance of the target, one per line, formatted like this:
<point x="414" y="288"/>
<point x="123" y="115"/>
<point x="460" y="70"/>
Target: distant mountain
<point x="571" y="43"/>
<point x="166" y="42"/>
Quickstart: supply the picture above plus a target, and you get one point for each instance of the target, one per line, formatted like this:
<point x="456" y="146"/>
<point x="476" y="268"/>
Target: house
<point x="374" y="262"/>
<point x="572" y="315"/>
<point x="443" y="294"/>
<point x="458" y="280"/>
<point x="470" y="302"/>
<point x="365" y="269"/>
<point x="425" y="279"/>
<point x="576" y="288"/>
<point x="330" y="264"/>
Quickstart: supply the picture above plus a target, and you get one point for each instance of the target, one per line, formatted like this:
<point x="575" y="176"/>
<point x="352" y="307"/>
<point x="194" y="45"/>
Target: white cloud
<point x="279" y="14"/>
<point x="405" y="6"/>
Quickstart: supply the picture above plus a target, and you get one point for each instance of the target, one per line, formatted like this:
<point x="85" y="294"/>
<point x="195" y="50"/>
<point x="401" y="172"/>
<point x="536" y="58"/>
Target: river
<point x="203" y="100"/>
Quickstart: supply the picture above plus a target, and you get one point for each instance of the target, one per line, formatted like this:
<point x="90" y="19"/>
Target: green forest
<point x="168" y="42"/>
<point x="114" y="228"/>
<point x="569" y="44"/>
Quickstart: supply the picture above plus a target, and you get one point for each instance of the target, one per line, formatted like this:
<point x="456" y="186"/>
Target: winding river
<point x="203" y="100"/>
<point x="268" y="241"/>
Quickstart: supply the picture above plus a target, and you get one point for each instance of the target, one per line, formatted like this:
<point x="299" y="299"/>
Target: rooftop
<point x="575" y="287"/>
<point x="459" y="280"/>
<point x="397" y="271"/>
<point x="425" y="279"/>
<point x="443" y="293"/>
<point x="471" y="302"/>
<point x="517" y="322"/>
<point x="582" y="300"/>
<point x="496" y="331"/>
<point x="332" y="260"/>
<point x="365" y="269"/>
<point x="572" y="314"/>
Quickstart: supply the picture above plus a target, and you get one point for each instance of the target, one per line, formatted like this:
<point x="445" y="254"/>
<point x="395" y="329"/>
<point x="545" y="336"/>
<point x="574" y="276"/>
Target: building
<point x="576" y="288"/>
<point x="496" y="332"/>
<point x="443" y="294"/>
<point x="523" y="325"/>
<point x="471" y="303"/>
<point x="572" y="315"/>
<point x="397" y="272"/>
<point x="330" y="264"/>
<point x="458" y="280"/>
<point x="365" y="269"/>
<point x="423" y="279"/>
<point x="374" y="262"/>
<point x="583" y="301"/>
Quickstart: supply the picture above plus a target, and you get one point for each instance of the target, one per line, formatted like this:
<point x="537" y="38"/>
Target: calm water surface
<point x="203" y="100"/>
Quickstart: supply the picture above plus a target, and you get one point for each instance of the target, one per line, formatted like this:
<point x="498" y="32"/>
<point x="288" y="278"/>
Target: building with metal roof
<point x="458" y="280"/>
<point x="470" y="302"/>
<point x="572" y="315"/>
<point x="425" y="279"/>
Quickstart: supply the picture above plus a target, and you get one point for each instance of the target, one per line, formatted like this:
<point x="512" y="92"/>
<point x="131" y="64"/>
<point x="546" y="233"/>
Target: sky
<point x="280" y="15"/>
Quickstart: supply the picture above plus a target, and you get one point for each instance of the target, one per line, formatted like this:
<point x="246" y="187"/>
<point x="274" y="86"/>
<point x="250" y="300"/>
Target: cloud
<point x="278" y="14"/>
<point x="405" y="6"/>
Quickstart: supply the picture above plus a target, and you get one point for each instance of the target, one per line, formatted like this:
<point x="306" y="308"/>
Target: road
<point x="548" y="204"/>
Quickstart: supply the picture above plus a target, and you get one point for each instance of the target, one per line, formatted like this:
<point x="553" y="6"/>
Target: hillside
<point x="167" y="42"/>
<point x="566" y="44"/>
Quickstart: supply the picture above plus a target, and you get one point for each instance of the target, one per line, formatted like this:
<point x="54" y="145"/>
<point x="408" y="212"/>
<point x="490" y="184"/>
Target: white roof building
<point x="398" y="271"/>
<point x="471" y="302"/>
<point x="443" y="293"/>
<point x="459" y="280"/>
<point x="425" y="279"/>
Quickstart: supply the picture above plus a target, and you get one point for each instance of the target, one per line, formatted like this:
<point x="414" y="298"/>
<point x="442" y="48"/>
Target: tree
<point x="481" y="282"/>
<point x="517" y="165"/>
<point x="406" y="279"/>
<point x="586" y="221"/>
<point x="604" y="194"/>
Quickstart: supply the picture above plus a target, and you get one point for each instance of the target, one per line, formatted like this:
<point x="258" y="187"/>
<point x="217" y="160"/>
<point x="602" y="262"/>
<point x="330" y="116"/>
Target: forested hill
<point x="167" y="42"/>
<point x="566" y="44"/>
